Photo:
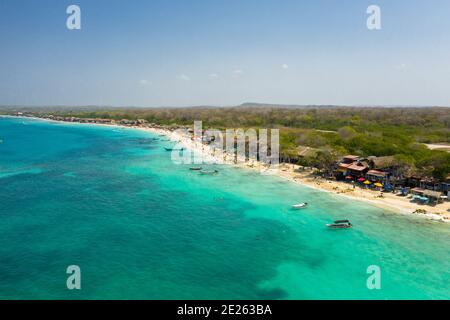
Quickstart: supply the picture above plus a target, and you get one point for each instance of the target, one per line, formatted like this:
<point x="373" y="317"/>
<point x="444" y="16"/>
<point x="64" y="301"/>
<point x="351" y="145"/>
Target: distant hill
<point x="281" y="106"/>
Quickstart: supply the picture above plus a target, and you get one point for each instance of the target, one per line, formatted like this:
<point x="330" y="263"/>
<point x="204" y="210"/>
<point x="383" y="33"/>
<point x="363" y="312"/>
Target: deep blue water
<point x="140" y="227"/>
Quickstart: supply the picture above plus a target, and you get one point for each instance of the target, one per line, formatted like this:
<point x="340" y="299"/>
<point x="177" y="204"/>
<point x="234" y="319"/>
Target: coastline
<point x="295" y="174"/>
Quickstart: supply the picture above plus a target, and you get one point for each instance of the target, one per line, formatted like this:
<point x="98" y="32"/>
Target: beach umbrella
<point x="361" y="179"/>
<point x="367" y="182"/>
<point x="378" y="184"/>
<point x="348" y="177"/>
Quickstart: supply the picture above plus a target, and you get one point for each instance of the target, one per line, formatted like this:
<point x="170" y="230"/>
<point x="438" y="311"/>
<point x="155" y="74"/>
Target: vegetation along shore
<point x="385" y="156"/>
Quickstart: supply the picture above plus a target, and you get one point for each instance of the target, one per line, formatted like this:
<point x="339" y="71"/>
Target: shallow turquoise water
<point x="141" y="227"/>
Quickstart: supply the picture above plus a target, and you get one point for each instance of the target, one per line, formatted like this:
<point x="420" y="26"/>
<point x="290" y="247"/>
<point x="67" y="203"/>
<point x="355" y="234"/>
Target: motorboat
<point x="340" y="224"/>
<point x="173" y="149"/>
<point x="302" y="205"/>
<point x="209" y="171"/>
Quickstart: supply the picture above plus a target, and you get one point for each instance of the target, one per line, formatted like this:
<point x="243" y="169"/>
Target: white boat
<point x="300" y="205"/>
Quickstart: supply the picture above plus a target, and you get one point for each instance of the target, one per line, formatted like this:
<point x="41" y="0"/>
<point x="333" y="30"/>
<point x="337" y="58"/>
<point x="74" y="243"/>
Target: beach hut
<point x="429" y="183"/>
<point x="358" y="169"/>
<point x="346" y="162"/>
<point x="433" y="196"/>
<point x="445" y="186"/>
<point x="386" y="165"/>
<point x="376" y="175"/>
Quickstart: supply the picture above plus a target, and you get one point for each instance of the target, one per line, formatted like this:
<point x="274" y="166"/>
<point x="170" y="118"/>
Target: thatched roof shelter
<point x="432" y="194"/>
<point x="383" y="162"/>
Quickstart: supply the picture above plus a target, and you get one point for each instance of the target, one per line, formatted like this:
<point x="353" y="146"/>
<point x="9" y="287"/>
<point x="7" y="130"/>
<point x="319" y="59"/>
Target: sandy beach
<point x="303" y="176"/>
<point x="300" y="175"/>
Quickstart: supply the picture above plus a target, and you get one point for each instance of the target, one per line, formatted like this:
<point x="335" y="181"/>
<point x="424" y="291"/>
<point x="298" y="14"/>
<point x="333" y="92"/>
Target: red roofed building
<point x="375" y="175"/>
<point x="350" y="159"/>
<point x="358" y="169"/>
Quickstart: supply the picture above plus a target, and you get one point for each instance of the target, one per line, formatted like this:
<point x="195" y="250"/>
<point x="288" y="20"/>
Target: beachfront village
<point x="373" y="178"/>
<point x="383" y="174"/>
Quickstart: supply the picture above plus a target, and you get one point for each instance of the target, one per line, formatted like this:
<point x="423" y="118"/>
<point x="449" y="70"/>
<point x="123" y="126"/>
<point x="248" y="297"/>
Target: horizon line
<point x="244" y="104"/>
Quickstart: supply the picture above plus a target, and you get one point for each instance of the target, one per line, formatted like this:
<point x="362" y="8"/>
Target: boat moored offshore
<point x="340" y="224"/>
<point x="209" y="171"/>
<point x="302" y="205"/>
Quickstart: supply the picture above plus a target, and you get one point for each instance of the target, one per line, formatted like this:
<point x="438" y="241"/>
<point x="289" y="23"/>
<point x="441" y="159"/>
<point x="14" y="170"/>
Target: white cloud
<point x="213" y="75"/>
<point x="183" y="77"/>
<point x="237" y="73"/>
<point x="145" y="82"/>
<point x="401" y="66"/>
<point x="284" y="66"/>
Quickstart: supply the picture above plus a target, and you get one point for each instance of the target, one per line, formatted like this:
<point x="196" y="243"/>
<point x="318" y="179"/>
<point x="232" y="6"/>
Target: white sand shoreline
<point x="391" y="202"/>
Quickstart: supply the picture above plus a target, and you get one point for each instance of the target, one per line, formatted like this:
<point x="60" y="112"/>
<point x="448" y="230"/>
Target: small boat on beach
<point x="209" y="171"/>
<point x="302" y="205"/>
<point x="195" y="168"/>
<point x="340" y="224"/>
<point x="173" y="149"/>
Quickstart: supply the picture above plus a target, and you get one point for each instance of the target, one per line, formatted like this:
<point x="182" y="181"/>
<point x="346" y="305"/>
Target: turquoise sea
<point x="140" y="227"/>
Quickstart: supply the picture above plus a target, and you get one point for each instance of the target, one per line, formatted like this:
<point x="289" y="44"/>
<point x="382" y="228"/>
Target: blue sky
<point x="224" y="52"/>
